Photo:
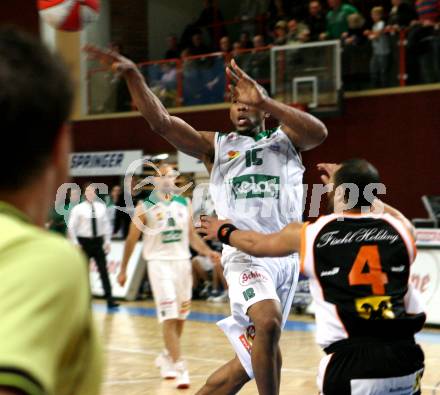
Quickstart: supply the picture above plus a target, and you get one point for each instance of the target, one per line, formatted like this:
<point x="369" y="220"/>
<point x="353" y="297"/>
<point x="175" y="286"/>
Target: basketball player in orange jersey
<point x="256" y="180"/>
<point x="358" y="264"/>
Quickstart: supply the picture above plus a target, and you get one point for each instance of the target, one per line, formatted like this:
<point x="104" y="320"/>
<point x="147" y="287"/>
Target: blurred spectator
<point x="211" y="18"/>
<point x="297" y="32"/>
<point x="173" y="51"/>
<point x="165" y="88"/>
<point x="236" y="48"/>
<point x="337" y="19"/>
<point x="380" y="61"/>
<point x="401" y="14"/>
<point x="250" y="14"/>
<point x="420" y="47"/>
<point x="298" y="9"/>
<point x="225" y="44"/>
<point x="356" y="55"/>
<point x="245" y="40"/>
<point x="315" y="20"/>
<point x="277" y="12"/>
<point x="258" y="41"/>
<point x="198" y="47"/>
<point x="428" y="11"/>
<point x="203" y="269"/>
<point x="258" y="65"/>
<point x="280" y="33"/>
<point x="355" y="34"/>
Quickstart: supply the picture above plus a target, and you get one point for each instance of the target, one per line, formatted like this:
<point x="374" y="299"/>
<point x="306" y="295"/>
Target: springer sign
<point x="104" y="163"/>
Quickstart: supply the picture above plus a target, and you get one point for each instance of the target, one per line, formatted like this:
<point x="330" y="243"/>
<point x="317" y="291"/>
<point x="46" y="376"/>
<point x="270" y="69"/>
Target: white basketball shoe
<point x="166" y="366"/>
<point x="182" y="379"/>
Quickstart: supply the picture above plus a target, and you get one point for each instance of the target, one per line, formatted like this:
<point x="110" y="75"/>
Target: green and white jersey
<point x="257" y="181"/>
<point x="167" y="235"/>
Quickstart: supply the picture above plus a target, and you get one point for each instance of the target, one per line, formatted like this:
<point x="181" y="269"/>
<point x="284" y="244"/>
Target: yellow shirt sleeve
<point x="46" y="332"/>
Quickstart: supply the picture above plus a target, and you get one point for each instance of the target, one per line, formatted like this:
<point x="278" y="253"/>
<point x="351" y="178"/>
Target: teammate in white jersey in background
<point x="256" y="178"/>
<point x="165" y="219"/>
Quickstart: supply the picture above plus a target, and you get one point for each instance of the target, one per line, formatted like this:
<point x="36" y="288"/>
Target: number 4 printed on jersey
<point x="369" y="255"/>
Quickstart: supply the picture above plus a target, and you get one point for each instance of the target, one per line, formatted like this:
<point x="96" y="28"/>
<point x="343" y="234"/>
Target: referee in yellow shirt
<point x="48" y="345"/>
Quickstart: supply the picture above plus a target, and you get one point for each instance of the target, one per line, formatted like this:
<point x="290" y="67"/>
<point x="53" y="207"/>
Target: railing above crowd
<point x="308" y="74"/>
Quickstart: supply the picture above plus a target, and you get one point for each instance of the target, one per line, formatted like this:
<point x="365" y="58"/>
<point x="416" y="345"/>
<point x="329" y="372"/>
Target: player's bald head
<point x="358" y="172"/>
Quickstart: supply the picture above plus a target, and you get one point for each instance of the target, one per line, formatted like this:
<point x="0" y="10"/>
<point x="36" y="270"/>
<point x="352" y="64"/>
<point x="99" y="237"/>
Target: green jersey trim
<point x="259" y="136"/>
<point x="20" y="382"/>
<point x="265" y="134"/>
<point x="220" y="135"/>
<point x="179" y="199"/>
<point x="152" y="200"/>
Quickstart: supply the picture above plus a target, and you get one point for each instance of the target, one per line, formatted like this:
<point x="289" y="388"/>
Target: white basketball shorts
<point x="171" y="282"/>
<point x="250" y="281"/>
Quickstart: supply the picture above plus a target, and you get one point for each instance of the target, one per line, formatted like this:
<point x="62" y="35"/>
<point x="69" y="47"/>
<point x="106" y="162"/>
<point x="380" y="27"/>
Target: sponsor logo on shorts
<point x="245" y="343"/>
<point x="247" y="338"/>
<point x="166" y="303"/>
<point x="249" y="294"/>
<point x="185" y="307"/>
<point x="251" y="277"/>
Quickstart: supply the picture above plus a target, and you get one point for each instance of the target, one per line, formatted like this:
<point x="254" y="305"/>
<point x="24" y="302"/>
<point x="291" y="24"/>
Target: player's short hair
<point x="35" y="101"/>
<point x="378" y="10"/>
<point x="360" y="173"/>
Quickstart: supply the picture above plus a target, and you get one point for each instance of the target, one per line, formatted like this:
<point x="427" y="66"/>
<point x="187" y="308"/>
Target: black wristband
<point x="224" y="232"/>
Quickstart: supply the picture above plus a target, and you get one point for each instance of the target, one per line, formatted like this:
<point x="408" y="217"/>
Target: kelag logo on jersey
<point x="256" y="186"/>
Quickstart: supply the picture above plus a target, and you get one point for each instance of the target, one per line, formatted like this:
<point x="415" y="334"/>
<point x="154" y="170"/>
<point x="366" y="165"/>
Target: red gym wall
<point x="22" y="13"/>
<point x="400" y="134"/>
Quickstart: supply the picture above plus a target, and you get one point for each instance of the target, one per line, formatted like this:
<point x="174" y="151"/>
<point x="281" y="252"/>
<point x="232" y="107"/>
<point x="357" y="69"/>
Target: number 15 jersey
<point x="256" y="182"/>
<point x="359" y="268"/>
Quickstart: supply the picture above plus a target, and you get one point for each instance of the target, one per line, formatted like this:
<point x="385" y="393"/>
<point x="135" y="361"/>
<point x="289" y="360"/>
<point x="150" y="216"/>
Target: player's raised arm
<point x="304" y="130"/>
<point x="282" y="243"/>
<point x="180" y="134"/>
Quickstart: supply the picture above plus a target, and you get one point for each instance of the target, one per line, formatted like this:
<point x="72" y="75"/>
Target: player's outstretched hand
<point x="329" y="169"/>
<point x="210" y="226"/>
<point x="110" y="59"/>
<point x="122" y="278"/>
<point x="243" y="88"/>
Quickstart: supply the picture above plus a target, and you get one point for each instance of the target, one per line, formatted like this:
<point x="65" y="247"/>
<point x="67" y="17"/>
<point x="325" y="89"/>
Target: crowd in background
<point x="370" y="33"/>
<point x="356" y="23"/>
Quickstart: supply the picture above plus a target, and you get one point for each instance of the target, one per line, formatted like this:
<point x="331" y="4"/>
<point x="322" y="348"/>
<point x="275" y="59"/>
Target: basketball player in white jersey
<point x="165" y="220"/>
<point x="256" y="180"/>
<point x="358" y="263"/>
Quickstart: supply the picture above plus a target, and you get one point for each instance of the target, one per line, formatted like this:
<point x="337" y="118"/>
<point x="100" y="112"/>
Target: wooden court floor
<point x="132" y="339"/>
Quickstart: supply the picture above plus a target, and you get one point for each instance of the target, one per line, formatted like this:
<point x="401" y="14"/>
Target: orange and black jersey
<point x="359" y="267"/>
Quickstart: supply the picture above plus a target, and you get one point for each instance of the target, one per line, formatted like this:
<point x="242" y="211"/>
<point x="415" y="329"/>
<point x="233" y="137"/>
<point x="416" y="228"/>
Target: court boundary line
<point x="197" y="316"/>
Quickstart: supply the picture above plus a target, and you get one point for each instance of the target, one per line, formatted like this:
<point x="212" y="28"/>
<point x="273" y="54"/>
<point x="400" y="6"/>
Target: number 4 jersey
<point x="359" y="268"/>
